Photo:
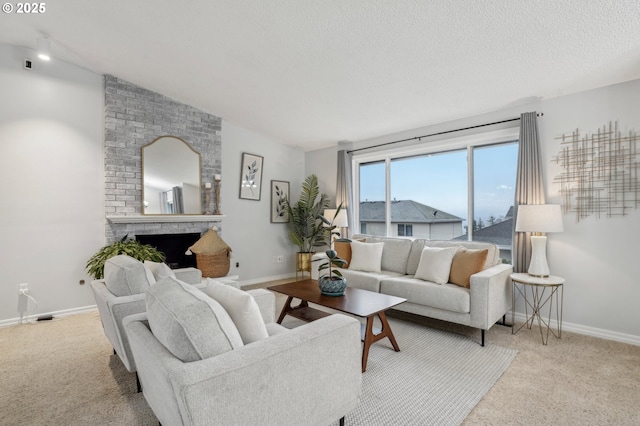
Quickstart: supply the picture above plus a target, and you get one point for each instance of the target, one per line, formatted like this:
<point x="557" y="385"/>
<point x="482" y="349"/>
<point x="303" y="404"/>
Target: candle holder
<point x="217" y="181"/>
<point x="207" y="198"/>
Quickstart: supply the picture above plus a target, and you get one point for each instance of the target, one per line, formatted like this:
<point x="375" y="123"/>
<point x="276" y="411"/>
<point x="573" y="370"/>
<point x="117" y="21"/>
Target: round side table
<point x="542" y="291"/>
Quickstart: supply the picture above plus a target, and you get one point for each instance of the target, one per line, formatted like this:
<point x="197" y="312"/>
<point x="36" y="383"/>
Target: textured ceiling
<point x="310" y="73"/>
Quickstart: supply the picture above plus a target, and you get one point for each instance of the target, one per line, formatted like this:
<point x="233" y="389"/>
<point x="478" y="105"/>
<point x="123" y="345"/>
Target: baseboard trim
<point x="56" y="314"/>
<point x="588" y="331"/>
<point x="266" y="279"/>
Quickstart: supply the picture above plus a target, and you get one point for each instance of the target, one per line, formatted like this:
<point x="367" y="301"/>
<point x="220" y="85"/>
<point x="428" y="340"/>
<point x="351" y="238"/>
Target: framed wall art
<point x="251" y="176"/>
<point x="279" y="196"/>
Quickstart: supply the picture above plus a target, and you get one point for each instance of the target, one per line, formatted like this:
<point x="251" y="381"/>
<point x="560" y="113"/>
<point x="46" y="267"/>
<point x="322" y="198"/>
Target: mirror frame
<point x="199" y="156"/>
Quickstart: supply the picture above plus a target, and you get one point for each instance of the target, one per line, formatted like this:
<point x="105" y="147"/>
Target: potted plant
<point x="133" y="248"/>
<point x="333" y="283"/>
<point x="306" y="227"/>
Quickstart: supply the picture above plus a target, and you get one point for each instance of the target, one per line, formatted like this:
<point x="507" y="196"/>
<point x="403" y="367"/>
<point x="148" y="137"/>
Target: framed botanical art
<point x="279" y="196"/>
<point x="251" y="177"/>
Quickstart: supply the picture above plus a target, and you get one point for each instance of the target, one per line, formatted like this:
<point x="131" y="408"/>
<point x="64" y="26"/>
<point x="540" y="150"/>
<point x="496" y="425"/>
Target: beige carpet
<point x="63" y="372"/>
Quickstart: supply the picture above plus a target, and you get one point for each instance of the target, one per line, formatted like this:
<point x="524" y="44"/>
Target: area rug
<point x="436" y="378"/>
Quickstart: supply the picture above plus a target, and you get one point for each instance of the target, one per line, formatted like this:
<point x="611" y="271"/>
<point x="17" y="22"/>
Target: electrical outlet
<point x="23" y="288"/>
<point x="280" y="258"/>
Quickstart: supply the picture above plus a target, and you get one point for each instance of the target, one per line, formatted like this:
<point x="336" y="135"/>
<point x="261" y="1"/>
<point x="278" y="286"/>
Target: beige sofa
<point x="487" y="299"/>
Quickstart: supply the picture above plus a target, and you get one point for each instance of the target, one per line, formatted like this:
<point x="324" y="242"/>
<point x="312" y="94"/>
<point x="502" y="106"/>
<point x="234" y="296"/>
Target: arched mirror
<point x="170" y="177"/>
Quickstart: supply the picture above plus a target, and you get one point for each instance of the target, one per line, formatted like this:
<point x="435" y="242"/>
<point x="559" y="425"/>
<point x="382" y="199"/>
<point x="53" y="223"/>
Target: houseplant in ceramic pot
<point x="333" y="283"/>
<point x="306" y="228"/>
<point x="133" y="248"/>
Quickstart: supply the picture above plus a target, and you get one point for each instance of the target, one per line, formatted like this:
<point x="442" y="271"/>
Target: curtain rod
<point x="440" y="133"/>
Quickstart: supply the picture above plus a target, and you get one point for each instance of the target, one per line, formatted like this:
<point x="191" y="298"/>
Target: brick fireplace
<point x="134" y="117"/>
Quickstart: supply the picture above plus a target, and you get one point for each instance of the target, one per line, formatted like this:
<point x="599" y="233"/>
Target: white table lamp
<point x="340" y="221"/>
<point x="538" y="219"/>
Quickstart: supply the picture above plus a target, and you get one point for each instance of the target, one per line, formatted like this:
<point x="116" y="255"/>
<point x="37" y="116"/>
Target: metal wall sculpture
<point x="600" y="174"/>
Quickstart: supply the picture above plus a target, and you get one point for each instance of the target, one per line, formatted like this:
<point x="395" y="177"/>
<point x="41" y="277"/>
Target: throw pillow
<point x="125" y="276"/>
<point x="190" y="324"/>
<point x="466" y="263"/>
<point x="366" y="257"/>
<point x="343" y="248"/>
<point x="435" y="264"/>
<point x="158" y="270"/>
<point x="242" y="308"/>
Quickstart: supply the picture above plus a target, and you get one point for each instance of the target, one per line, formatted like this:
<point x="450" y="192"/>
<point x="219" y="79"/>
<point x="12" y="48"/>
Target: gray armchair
<point x="128" y="279"/>
<point x="309" y="375"/>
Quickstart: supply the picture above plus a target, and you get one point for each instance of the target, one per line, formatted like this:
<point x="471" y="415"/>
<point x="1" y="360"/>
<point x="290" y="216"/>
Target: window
<point x="405" y="230"/>
<point x="456" y="189"/>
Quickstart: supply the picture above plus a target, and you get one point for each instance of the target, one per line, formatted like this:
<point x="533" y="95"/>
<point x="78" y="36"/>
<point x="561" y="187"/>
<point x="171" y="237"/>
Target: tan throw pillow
<point x="466" y="263"/>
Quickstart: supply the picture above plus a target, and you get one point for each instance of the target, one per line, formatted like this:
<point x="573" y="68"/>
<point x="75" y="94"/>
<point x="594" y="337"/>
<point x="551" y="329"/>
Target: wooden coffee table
<point x="361" y="303"/>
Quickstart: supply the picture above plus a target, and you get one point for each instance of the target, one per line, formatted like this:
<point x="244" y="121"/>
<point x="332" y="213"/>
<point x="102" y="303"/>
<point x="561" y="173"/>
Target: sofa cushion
<point x="435" y="264"/>
<point x="343" y="248"/>
<point x="366" y="280"/>
<point x="190" y="324"/>
<point x="448" y="297"/>
<point x="414" y="256"/>
<point x="241" y="307"/>
<point x="125" y="276"/>
<point x="159" y="270"/>
<point x="366" y="257"/>
<point x="466" y="263"/>
<point x="395" y="253"/>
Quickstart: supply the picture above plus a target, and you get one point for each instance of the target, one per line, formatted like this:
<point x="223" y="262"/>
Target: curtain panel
<point x="344" y="189"/>
<point x="529" y="186"/>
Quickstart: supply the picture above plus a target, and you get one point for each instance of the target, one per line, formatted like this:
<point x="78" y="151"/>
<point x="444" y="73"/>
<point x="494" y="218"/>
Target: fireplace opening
<point x="174" y="247"/>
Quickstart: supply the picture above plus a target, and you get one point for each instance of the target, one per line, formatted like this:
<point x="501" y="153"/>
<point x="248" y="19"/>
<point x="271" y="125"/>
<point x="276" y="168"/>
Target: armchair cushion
<point x="190" y="324"/>
<point x="242" y="308"/>
<point x="159" y="270"/>
<point x="125" y="276"/>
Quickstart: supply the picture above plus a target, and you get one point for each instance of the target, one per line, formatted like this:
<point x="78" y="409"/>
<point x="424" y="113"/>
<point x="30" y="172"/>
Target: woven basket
<point x="214" y="265"/>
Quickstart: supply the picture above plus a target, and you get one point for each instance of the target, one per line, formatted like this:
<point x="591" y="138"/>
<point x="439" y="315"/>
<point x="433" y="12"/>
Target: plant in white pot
<point x="333" y="283"/>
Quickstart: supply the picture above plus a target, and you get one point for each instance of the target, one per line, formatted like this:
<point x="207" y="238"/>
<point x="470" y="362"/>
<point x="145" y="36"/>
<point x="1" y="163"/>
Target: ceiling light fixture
<point x="44" y="49"/>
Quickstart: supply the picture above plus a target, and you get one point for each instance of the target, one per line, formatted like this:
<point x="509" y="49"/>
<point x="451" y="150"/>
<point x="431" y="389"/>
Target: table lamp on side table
<point x="538" y="219"/>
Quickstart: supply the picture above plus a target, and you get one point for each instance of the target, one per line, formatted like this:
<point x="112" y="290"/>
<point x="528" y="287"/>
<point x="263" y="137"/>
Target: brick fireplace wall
<point x="134" y="117"/>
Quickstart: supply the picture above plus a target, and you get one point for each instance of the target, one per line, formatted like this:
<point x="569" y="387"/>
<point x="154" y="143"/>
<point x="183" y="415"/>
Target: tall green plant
<point x="306" y="228"/>
<point x="133" y="248"/>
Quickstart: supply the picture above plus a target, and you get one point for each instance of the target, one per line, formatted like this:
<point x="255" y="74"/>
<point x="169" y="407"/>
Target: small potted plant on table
<point x="333" y="283"/>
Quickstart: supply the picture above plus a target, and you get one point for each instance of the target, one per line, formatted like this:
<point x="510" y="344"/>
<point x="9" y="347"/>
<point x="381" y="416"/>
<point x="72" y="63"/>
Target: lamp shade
<point x="340" y="221"/>
<point x="539" y="218"/>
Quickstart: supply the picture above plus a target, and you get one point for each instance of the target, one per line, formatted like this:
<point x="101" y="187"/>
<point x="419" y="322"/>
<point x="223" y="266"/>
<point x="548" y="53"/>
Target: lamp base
<point x="538" y="266"/>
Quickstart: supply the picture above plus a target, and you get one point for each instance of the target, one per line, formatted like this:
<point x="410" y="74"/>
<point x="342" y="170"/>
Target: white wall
<point x="51" y="213"/>
<point x="597" y="257"/>
<point x="247" y="228"/>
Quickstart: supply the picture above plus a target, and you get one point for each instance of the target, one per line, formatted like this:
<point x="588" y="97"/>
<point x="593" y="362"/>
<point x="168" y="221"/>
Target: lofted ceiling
<point x="310" y="73"/>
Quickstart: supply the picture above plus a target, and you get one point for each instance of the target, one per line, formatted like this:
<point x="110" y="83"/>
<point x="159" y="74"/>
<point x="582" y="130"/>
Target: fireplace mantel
<point x="183" y="218"/>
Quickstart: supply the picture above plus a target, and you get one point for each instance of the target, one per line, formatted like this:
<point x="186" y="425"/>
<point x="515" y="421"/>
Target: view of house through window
<point x="430" y="197"/>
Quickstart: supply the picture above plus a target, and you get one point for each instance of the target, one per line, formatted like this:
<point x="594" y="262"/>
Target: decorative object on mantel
<point x="279" y="197"/>
<point x="251" y="177"/>
<point x="212" y="254"/>
<point x="133" y="248"/>
<point x="333" y="283"/>
<point x="217" y="179"/>
<point x="600" y="174"/>
<point x="207" y="197"/>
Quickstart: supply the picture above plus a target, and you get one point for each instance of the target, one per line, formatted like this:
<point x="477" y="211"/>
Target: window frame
<point x="436" y="146"/>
